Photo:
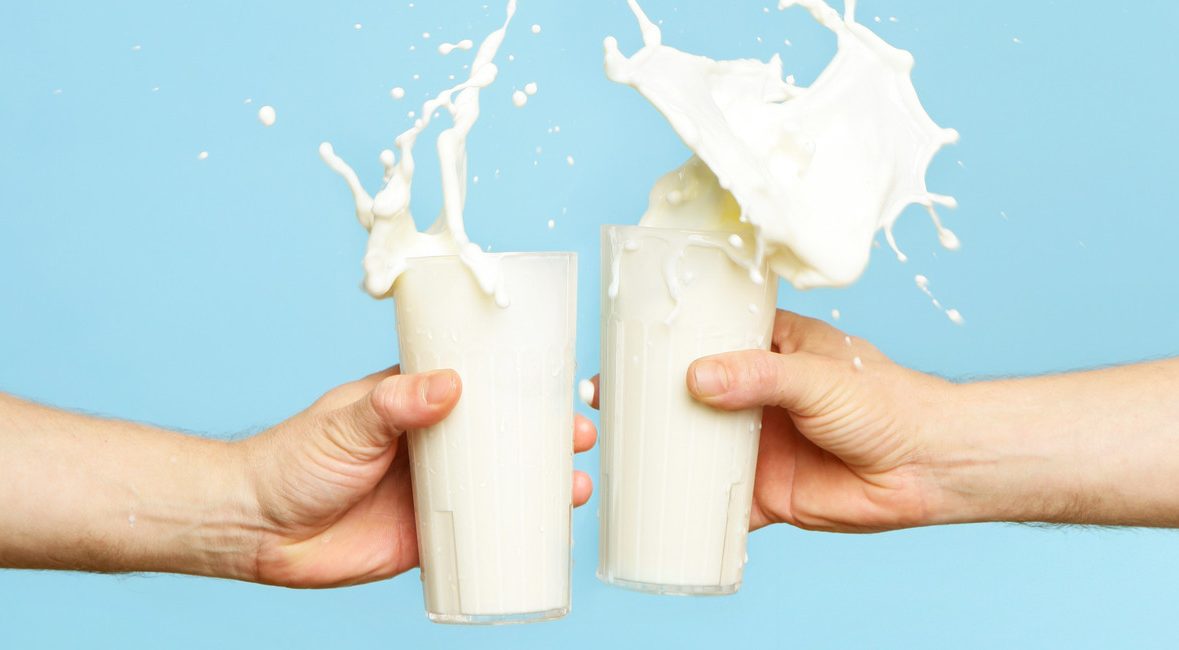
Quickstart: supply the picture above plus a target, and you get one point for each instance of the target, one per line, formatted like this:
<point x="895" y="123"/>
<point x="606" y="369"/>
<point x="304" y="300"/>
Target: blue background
<point x="222" y="295"/>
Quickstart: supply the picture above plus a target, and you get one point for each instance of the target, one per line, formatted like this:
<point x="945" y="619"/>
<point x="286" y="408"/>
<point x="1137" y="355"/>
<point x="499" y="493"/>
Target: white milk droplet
<point x="735" y="241"/>
<point x="847" y="341"/>
<point x="519" y="98"/>
<point x="447" y="48"/>
<point x="426" y="35"/>
<point x="357" y="26"/>
<point x="267" y="115"/>
<point x="552" y="224"/>
<point x="136" y="48"/>
<point x="536" y="29"/>
<point x="922" y="283"/>
<point x="569" y="160"/>
<point x="397" y="93"/>
<point x="530" y="88"/>
<point x="858" y="363"/>
<point x="202" y="155"/>
<point x="585" y="390"/>
<point x="835" y="314"/>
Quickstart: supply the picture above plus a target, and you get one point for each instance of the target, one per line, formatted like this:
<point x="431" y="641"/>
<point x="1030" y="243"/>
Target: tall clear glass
<point x="493" y="481"/>
<point x="676" y="476"/>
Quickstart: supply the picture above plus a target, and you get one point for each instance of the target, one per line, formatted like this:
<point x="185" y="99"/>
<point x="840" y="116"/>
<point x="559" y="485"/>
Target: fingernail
<point x="439" y="388"/>
<point x="710" y="378"/>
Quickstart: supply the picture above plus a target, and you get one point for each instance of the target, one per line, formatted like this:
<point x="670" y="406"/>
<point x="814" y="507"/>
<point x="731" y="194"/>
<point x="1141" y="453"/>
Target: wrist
<point x="990" y="461"/>
<point x="228" y="543"/>
<point x="207" y="524"/>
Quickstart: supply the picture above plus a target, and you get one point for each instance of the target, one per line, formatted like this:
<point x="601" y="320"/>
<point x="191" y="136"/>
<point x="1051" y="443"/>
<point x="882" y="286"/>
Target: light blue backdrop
<point x="221" y="295"/>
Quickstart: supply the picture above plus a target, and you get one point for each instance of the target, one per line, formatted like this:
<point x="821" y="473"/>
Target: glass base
<point x="498" y="619"/>
<point x="672" y="590"/>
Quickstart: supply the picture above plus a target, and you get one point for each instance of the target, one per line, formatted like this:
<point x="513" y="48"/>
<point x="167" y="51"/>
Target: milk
<point x="393" y="235"/>
<point x="677" y="476"/>
<point x="808" y="175"/>
<point x="492" y="482"/>
<point x="784" y="180"/>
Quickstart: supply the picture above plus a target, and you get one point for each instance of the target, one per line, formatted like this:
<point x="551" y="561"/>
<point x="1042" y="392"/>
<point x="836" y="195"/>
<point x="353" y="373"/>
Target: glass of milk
<point x="676" y="476"/>
<point x="493" y="481"/>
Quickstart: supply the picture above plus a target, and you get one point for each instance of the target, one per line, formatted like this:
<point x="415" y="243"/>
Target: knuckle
<point x="401" y="394"/>
<point x="760" y="370"/>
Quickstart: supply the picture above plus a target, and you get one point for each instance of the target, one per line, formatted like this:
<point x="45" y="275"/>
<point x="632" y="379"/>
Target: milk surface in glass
<point x="677" y="476"/>
<point x="493" y="481"/>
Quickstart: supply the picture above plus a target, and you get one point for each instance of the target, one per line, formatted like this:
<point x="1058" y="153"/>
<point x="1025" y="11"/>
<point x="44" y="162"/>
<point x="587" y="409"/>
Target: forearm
<point x="1099" y="447"/>
<point x="85" y="493"/>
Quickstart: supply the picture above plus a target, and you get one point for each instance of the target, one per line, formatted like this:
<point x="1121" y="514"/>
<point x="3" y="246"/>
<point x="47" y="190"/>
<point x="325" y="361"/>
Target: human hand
<point x="845" y="441"/>
<point x="844" y="446"/>
<point x="333" y="482"/>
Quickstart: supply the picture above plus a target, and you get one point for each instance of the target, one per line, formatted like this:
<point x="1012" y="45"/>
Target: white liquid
<point x="677" y="476"/>
<point x="954" y="315"/>
<point x="447" y="48"/>
<point x="585" y="391"/>
<point x="397" y="93"/>
<point x="493" y="481"/>
<point x="809" y="174"/>
<point x="519" y="98"/>
<point x="393" y="234"/>
<point x="267" y="115"/>
<point x="795" y="179"/>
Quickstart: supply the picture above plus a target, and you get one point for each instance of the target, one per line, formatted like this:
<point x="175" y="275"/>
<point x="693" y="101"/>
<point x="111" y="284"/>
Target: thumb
<point x="800" y="382"/>
<point x="396" y="404"/>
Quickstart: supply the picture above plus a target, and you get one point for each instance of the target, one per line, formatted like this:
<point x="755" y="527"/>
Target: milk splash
<point x="393" y="235"/>
<point x="808" y="174"/>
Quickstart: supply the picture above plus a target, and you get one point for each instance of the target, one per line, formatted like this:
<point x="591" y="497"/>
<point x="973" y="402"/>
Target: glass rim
<point x="525" y="255"/>
<point x="722" y="234"/>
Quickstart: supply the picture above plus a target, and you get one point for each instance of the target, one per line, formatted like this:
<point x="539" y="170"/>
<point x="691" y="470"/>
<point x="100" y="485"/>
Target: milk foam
<point x="393" y="235"/>
<point x="808" y="174"/>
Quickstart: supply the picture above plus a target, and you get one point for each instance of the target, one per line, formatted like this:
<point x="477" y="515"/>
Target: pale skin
<point x="882" y="447"/>
<point x="324" y="499"/>
<point x="320" y="500"/>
